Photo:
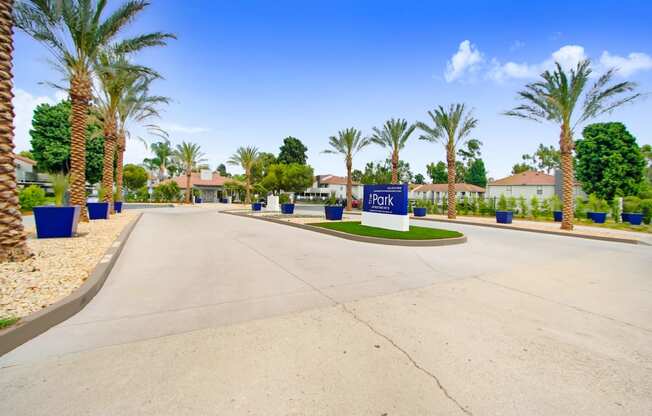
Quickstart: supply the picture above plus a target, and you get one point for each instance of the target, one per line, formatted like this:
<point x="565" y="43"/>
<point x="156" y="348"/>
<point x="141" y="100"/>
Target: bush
<point x="522" y="206"/>
<point x="631" y="204"/>
<point x="597" y="204"/>
<point x="534" y="207"/>
<point x="167" y="192"/>
<point x="546" y="207"/>
<point x="580" y="208"/>
<point x="615" y="210"/>
<point x="283" y="199"/>
<point x="31" y="197"/>
<point x="502" y="203"/>
<point x="646" y="208"/>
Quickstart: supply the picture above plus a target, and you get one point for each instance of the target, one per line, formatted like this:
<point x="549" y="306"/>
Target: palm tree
<point x="450" y="127"/>
<point x="246" y="158"/>
<point x="13" y="245"/>
<point x="394" y="135"/>
<point x="74" y="31"/>
<point x="188" y="155"/>
<point x="555" y="97"/>
<point x="163" y="153"/>
<point x="348" y="142"/>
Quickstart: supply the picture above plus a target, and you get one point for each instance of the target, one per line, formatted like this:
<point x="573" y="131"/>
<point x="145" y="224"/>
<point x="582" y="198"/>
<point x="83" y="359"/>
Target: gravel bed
<point x="59" y="266"/>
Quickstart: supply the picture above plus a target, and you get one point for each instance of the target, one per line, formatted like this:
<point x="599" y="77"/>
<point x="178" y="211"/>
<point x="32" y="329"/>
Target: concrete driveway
<point x="206" y="313"/>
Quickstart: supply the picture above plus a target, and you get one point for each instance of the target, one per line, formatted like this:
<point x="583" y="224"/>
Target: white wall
<point x="526" y="191"/>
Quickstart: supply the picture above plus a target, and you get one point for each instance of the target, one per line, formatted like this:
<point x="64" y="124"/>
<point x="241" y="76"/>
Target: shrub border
<point x="33" y="325"/>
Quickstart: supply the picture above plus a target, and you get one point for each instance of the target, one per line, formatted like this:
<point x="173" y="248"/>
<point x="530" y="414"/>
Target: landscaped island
<point x="415" y="233"/>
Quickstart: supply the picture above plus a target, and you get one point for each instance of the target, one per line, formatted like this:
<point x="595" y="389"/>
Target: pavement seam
<point x="407" y="355"/>
<point x="575" y="308"/>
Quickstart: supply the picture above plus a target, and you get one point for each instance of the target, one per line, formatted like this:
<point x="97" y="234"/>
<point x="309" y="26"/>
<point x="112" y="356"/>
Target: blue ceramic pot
<point x="256" y="206"/>
<point x="558" y="215"/>
<point x="419" y="211"/>
<point x="98" y="210"/>
<point x="56" y="222"/>
<point x="635" y="218"/>
<point x="504" y="217"/>
<point x="287" y="208"/>
<point x="117" y="206"/>
<point x="624" y="216"/>
<point x="333" y="212"/>
<point x="599" y="217"/>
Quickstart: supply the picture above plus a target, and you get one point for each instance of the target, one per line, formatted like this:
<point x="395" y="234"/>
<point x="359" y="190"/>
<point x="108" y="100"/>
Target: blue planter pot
<point x="287" y="208"/>
<point x="98" y="210"/>
<point x="56" y="222"/>
<point x="558" y="215"/>
<point x="333" y="212"/>
<point x="624" y="216"/>
<point x="589" y="215"/>
<point x="198" y="200"/>
<point x="117" y="206"/>
<point x="504" y="217"/>
<point x="599" y="217"/>
<point x="256" y="206"/>
<point x="635" y="218"/>
<point x="419" y="211"/>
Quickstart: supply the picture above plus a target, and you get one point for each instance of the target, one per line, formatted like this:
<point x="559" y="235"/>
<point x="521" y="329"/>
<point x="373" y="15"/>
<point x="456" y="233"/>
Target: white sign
<point x="272" y="203"/>
<point x="385" y="206"/>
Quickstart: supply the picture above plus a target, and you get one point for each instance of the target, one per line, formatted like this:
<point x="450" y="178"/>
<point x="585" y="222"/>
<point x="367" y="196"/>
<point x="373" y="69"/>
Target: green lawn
<point x="415" y="233"/>
<point x="5" y="322"/>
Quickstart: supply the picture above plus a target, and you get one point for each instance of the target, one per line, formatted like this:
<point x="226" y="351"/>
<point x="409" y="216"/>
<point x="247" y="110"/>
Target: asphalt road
<point x="206" y="313"/>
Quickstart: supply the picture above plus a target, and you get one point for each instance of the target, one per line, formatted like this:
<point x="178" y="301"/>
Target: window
<point x="539" y="190"/>
<point x="509" y="189"/>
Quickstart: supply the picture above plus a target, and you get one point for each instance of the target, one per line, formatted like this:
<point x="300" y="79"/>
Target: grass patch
<point x="415" y="233"/>
<point x="6" y="322"/>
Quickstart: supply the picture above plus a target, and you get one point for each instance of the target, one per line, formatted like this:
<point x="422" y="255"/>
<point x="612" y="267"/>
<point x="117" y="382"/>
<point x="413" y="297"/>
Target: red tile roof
<point x="196" y="180"/>
<point x="529" y="177"/>
<point x="25" y="159"/>
<point x="443" y="187"/>
<point x="333" y="180"/>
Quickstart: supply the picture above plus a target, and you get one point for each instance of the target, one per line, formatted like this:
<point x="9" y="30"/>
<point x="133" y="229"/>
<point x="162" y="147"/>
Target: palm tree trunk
<point x="247" y="186"/>
<point x="349" y="184"/>
<point x="568" y="180"/>
<point x="107" y="168"/>
<point x="80" y="95"/>
<point x="395" y="166"/>
<point x="450" y="159"/>
<point x="188" y="190"/>
<point x="120" y="165"/>
<point x="13" y="244"/>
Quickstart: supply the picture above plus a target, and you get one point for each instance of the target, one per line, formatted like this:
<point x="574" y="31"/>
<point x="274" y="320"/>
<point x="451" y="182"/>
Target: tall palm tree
<point x="555" y="97"/>
<point x="246" y="158"/>
<point x="163" y="154"/>
<point x="13" y="245"/>
<point x="393" y="135"/>
<point x="188" y="155"/>
<point x="450" y="127"/>
<point x="348" y="142"/>
<point x="74" y="31"/>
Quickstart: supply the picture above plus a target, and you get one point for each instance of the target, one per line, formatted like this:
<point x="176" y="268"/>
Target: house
<point x="326" y="185"/>
<point x="26" y="173"/>
<point x="210" y="184"/>
<point x="528" y="184"/>
<point x="439" y="191"/>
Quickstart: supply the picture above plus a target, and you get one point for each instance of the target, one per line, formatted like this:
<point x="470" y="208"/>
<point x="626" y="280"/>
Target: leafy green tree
<point x="555" y="97"/>
<point x="356" y="175"/>
<point x="221" y="169"/>
<point x="261" y="168"/>
<point x="135" y="177"/>
<point x="608" y="161"/>
<point x="419" y="179"/>
<point x="477" y="174"/>
<point x="376" y="173"/>
<point x="293" y="177"/>
<point x="292" y="151"/>
<point x="50" y="140"/>
<point x="437" y="172"/>
<point x="26" y="153"/>
<point x="546" y="158"/>
<point x="520" y="168"/>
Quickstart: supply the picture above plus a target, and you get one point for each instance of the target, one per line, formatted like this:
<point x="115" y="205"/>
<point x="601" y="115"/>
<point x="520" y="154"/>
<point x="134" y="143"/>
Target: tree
<point x="437" y="172"/>
<point x="50" y="141"/>
<point x="293" y="177"/>
<point x="393" y="135"/>
<point x="163" y="153"/>
<point x="608" y="161"/>
<point x="135" y="177"/>
<point x="477" y="174"/>
<point x="26" y="153"/>
<point x="13" y="241"/>
<point x="555" y="98"/>
<point x="347" y="143"/>
<point x="188" y="155"/>
<point x="646" y="150"/>
<point x="261" y="167"/>
<point x="246" y="158"/>
<point x="469" y="154"/>
<point x="73" y="30"/>
<point x="450" y="127"/>
<point x="520" y="168"/>
<point x="419" y="179"/>
<point x="545" y="158"/>
<point x="378" y="172"/>
<point x="221" y="169"/>
<point x="292" y="151"/>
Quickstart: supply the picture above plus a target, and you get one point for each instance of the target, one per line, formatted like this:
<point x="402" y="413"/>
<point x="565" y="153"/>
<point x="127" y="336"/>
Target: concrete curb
<point x="532" y="230"/>
<point x="363" y="239"/>
<point x="35" y="324"/>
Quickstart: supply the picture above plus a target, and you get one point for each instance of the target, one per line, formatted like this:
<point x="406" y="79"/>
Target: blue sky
<point x="254" y="72"/>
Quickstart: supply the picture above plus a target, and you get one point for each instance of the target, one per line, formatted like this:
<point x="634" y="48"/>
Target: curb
<point x="359" y="238"/>
<point x="37" y="323"/>
<point x="531" y="230"/>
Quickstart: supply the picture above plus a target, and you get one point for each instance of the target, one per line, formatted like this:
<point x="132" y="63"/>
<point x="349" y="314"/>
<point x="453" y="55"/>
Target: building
<point x="528" y="184"/>
<point x="326" y="185"/>
<point x="210" y="184"/>
<point x="439" y="191"/>
<point x="26" y="173"/>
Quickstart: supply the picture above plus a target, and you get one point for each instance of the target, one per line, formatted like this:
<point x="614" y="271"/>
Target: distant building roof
<point x="196" y="180"/>
<point x="25" y="159"/>
<point x="443" y="187"/>
<point x="333" y="180"/>
<point x="529" y="177"/>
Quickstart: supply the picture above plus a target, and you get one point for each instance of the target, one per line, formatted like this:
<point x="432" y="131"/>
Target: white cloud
<point x="465" y="60"/>
<point x="568" y="56"/>
<point x="516" y="45"/>
<point x="24" y="106"/>
<point x="632" y="63"/>
<point x="178" y="128"/>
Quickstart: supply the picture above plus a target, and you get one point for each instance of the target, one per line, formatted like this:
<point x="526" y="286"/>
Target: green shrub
<point x="546" y="207"/>
<point x="464" y="208"/>
<point x="631" y="204"/>
<point x="646" y="208"/>
<point x="502" y="203"/>
<point x="482" y="206"/>
<point x="615" y="210"/>
<point x="580" y="208"/>
<point x="555" y="203"/>
<point x="284" y="199"/>
<point x="167" y="192"/>
<point x="60" y="183"/>
<point x="535" y="209"/>
<point x="511" y="203"/>
<point x="522" y="206"/>
<point x="31" y="197"/>
<point x="597" y="204"/>
<point x="331" y="200"/>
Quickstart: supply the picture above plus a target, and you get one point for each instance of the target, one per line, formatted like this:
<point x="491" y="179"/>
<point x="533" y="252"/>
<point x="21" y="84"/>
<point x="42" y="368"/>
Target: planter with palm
<point x="451" y="127"/>
<point x="188" y="155"/>
<point x="75" y="33"/>
<point x="393" y="135"/>
<point x="246" y="158"/>
<point x="348" y="142"/>
<point x="555" y="99"/>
